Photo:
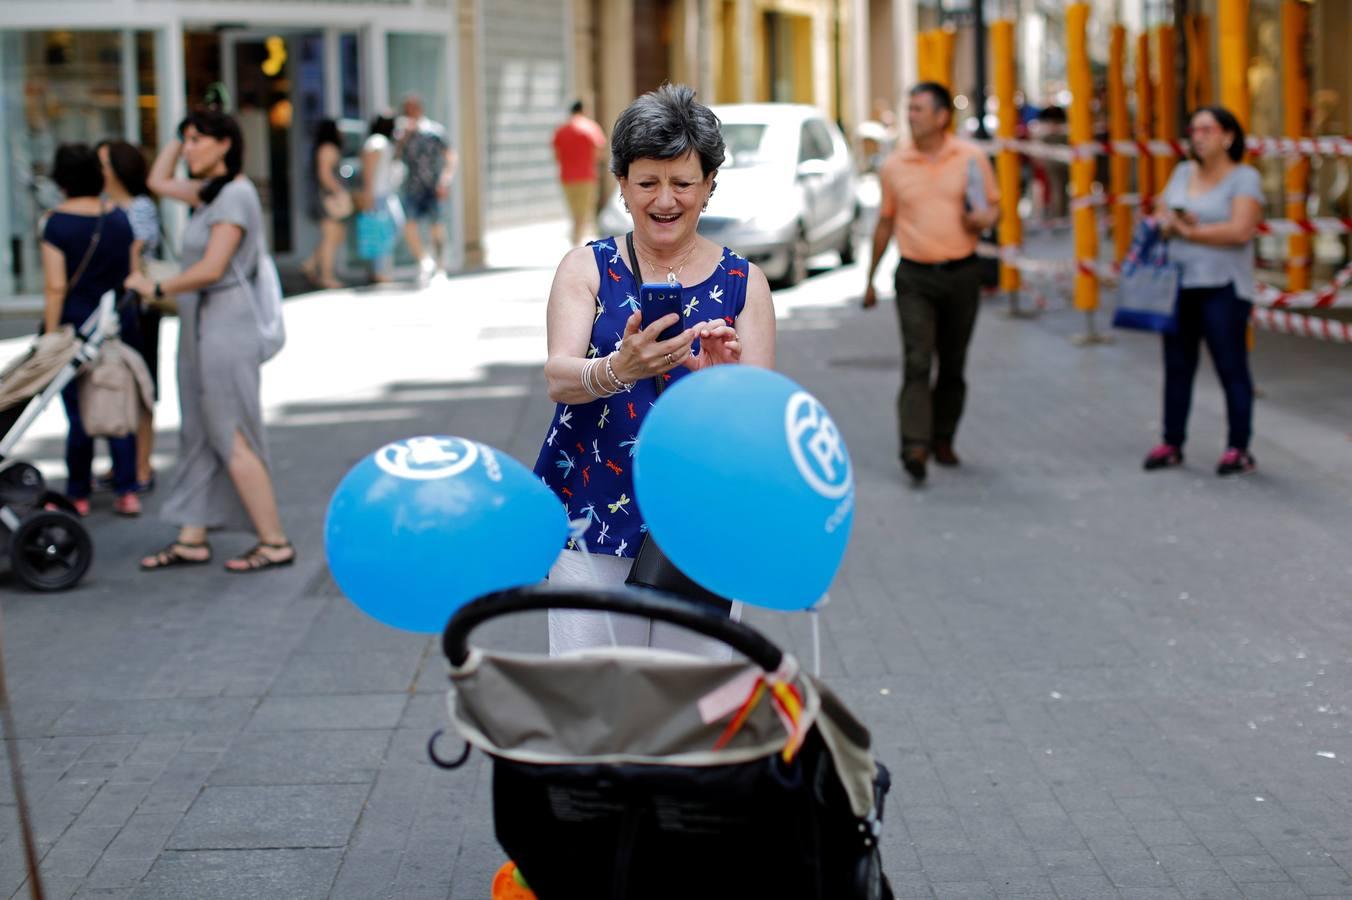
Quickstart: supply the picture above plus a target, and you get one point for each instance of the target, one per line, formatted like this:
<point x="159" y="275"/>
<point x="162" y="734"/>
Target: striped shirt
<point x="145" y="223"/>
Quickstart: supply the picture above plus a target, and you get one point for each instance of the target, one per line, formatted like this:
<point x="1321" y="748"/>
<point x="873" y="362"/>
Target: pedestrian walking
<point x="604" y="368"/>
<point x="86" y="252"/>
<point x="429" y="167"/>
<point x="579" y="144"/>
<point x="124" y="184"/>
<point x="1213" y="205"/>
<point x="331" y="206"/>
<point x="938" y="195"/>
<point x="223" y="477"/>
<point x="381" y="215"/>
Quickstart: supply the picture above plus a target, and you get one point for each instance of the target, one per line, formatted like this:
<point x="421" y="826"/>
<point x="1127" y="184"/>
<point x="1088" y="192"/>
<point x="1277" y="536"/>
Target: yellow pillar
<point x="945" y="40"/>
<point x="1007" y="163"/>
<point x="1145" y="166"/>
<point x="1166" y="101"/>
<point x="924" y="55"/>
<point x="1198" y="37"/>
<point x="934" y="55"/>
<point x="1295" y="100"/>
<point x="1119" y="129"/>
<point x="1232" y="26"/>
<point x="1082" y="170"/>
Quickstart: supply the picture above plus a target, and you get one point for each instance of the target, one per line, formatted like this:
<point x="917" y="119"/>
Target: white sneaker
<point x="426" y="269"/>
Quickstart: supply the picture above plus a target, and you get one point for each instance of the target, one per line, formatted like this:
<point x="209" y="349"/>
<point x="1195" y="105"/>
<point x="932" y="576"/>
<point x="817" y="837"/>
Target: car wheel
<point x="796" y="270"/>
<point x="847" y="254"/>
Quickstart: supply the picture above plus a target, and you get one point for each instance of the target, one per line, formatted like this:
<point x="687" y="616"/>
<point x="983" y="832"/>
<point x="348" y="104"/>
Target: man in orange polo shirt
<point x="938" y="194"/>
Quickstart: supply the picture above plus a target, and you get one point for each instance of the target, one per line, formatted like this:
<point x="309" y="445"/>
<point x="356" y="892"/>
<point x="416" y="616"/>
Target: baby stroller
<point x="624" y="773"/>
<point x="48" y="547"/>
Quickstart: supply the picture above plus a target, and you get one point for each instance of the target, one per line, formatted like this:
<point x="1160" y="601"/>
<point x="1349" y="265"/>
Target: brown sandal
<point x="170" y="556"/>
<point x="256" y="561"/>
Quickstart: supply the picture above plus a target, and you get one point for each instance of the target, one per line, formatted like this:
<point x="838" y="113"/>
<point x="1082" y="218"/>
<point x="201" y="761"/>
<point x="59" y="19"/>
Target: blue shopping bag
<point x="1148" y="289"/>
<point x="375" y="233"/>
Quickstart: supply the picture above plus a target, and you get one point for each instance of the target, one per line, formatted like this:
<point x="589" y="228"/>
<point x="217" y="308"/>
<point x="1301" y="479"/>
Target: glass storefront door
<point x="277" y="85"/>
<point x="61" y="87"/>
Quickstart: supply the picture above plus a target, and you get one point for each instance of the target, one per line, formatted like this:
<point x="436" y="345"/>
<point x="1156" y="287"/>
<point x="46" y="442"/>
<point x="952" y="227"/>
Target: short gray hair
<point x="666" y="123"/>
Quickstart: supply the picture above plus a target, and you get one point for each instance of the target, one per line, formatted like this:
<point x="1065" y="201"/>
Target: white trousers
<point x="571" y="630"/>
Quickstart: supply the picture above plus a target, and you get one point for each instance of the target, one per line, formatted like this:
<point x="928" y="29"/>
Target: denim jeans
<point x="80" y="453"/>
<point x="1218" y="317"/>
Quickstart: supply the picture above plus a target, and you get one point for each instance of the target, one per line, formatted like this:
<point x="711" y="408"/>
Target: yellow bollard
<point x="1119" y="129"/>
<point x="1232" y="26"/>
<point x="1166" y="101"/>
<point x="1082" y="170"/>
<point x="1295" y="102"/>
<point x="1145" y="166"/>
<point x="1007" y="163"/>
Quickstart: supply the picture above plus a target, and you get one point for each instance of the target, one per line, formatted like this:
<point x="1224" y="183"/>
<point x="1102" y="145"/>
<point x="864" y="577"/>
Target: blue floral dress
<point x="588" y="454"/>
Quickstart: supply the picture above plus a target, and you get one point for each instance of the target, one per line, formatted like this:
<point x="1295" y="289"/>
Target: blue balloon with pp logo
<point x="744" y="481"/>
<point x="423" y="526"/>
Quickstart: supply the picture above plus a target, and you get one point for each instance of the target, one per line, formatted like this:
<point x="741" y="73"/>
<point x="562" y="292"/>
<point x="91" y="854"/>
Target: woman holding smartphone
<point x="1215" y="205"/>
<point x="605" y="364"/>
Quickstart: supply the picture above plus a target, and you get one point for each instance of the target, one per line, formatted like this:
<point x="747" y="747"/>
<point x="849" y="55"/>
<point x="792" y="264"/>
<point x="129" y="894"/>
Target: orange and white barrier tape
<point x="1330" y="295"/>
<point x="1317" y="225"/>
<point x="1285" y="322"/>
<point x="1328" y="145"/>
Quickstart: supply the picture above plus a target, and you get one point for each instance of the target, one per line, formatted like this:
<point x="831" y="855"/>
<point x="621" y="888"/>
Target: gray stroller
<point x="48" y="547"/>
<point x="623" y="773"/>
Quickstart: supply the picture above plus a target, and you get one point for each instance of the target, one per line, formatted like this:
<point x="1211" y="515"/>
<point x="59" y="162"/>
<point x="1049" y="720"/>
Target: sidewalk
<point x="1088" y="682"/>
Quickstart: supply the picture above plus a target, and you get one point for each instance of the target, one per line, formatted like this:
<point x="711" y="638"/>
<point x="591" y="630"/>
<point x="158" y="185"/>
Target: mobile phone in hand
<point x="658" y="300"/>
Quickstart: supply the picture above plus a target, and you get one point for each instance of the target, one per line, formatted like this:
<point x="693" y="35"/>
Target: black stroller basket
<point x="624" y="799"/>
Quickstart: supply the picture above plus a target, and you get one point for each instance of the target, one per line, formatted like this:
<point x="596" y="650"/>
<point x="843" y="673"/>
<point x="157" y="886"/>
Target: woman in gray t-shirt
<point x="1212" y="207"/>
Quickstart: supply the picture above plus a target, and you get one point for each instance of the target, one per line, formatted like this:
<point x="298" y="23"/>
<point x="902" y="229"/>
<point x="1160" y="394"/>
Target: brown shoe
<point x="913" y="460"/>
<point x="944" y="455"/>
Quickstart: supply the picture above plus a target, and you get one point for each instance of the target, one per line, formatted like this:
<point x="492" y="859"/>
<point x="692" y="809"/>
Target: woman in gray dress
<point x="222" y="479"/>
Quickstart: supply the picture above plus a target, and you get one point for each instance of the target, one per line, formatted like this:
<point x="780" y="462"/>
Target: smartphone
<point x="658" y="300"/>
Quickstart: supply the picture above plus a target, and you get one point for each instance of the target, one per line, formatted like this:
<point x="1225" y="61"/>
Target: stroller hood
<point x="638" y="706"/>
<point x="30" y="373"/>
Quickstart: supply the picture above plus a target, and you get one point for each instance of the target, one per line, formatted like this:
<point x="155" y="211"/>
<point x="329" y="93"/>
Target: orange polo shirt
<point x="923" y="195"/>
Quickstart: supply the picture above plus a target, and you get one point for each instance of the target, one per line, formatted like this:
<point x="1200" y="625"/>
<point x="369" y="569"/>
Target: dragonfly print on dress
<point x="604" y="432"/>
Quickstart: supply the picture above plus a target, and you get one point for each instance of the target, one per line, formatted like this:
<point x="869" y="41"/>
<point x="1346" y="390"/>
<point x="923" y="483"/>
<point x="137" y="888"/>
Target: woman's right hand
<point x="642" y="354"/>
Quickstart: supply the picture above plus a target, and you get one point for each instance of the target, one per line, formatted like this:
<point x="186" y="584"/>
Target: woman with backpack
<point x="223" y="477"/>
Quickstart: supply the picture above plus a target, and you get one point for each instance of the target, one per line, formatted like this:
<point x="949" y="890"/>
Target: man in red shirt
<point x="579" y="144"/>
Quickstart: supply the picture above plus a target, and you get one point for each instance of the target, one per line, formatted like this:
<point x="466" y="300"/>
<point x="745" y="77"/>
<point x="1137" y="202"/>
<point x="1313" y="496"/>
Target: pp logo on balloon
<point x="427" y="458"/>
<point x="819" y="453"/>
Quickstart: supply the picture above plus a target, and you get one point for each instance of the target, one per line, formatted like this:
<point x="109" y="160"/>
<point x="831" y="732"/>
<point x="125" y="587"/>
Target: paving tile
<point x="240" y="874"/>
<point x="285" y="816"/>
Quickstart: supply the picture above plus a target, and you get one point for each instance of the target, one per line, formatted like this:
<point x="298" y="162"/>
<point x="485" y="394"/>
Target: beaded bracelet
<point x="610" y="373"/>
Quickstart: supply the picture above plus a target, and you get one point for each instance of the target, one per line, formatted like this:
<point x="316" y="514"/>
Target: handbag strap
<point x="88" y="254"/>
<point x="659" y="382"/>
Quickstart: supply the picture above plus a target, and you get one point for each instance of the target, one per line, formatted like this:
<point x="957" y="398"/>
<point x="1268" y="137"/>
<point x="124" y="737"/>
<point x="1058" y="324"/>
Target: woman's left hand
<point x="718" y="345"/>
<point x="141" y="284"/>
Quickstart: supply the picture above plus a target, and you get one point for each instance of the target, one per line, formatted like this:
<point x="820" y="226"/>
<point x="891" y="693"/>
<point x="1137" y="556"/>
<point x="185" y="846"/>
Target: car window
<point x="809" y="144"/>
<point x="743" y="144"/>
<point x="818" y="138"/>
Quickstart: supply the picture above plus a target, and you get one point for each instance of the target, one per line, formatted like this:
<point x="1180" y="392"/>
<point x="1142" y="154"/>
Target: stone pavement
<point x="1088" y="682"/>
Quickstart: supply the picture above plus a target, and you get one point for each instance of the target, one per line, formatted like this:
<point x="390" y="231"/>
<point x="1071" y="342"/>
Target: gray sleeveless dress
<point x="219" y="356"/>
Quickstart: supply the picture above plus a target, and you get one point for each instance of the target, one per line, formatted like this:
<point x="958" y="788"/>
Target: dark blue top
<point x="108" y="267"/>
<point x="588" y="455"/>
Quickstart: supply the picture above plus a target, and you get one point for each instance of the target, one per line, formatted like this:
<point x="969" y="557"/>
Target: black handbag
<point x="651" y="568"/>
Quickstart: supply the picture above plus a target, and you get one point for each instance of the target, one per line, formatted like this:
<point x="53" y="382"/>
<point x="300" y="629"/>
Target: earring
<point x="624" y="202"/>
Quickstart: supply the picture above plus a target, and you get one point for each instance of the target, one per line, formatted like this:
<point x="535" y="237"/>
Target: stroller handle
<point x="651" y="604"/>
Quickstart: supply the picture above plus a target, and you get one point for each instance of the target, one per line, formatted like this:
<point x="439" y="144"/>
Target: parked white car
<point x="787" y="190"/>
